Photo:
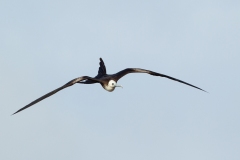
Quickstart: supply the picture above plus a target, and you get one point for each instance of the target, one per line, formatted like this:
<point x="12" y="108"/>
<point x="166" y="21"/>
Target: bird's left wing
<point x="101" y="72"/>
<point x="70" y="83"/>
<point x="102" y="69"/>
<point x="122" y="73"/>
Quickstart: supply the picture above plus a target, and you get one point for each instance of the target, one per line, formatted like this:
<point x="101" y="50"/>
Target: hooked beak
<point x="118" y="86"/>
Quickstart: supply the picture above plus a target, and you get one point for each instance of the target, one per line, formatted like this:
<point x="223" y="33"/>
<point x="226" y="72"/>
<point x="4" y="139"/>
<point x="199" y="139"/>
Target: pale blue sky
<point x="46" y="43"/>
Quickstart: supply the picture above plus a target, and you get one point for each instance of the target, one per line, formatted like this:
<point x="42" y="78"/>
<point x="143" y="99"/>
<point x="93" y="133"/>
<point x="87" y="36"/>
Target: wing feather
<point x="101" y="72"/>
<point x="138" y="70"/>
<point x="70" y="83"/>
<point x="102" y="69"/>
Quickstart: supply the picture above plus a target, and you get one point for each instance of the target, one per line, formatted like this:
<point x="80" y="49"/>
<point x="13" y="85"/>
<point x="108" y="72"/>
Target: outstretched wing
<point x="70" y="83"/>
<point x="122" y="73"/>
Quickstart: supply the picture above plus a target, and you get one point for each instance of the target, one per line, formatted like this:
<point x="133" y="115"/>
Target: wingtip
<point x="13" y="113"/>
<point x="202" y="90"/>
<point x="206" y="91"/>
<point x="16" y="112"/>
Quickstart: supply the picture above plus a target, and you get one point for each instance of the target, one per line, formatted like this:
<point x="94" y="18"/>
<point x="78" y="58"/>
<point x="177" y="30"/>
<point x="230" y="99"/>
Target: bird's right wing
<point x="70" y="83"/>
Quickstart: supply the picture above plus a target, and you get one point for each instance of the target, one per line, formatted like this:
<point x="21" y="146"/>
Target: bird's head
<point x="111" y="85"/>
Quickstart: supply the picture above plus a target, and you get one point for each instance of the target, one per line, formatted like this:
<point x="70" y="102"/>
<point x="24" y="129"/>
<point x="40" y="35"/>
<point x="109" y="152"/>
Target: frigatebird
<point x="108" y="81"/>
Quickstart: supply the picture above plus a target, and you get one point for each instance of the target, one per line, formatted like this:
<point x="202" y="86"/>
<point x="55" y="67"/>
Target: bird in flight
<point x="108" y="81"/>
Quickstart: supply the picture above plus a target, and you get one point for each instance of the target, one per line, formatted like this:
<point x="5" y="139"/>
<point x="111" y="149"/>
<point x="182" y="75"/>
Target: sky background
<point x="44" y="44"/>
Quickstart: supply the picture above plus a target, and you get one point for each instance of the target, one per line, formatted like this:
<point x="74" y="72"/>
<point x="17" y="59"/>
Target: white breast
<point x="110" y="86"/>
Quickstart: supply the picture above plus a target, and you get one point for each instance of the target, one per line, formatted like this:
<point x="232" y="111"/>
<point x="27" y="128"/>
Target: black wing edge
<point x="175" y="79"/>
<point x="70" y="83"/>
<point x="41" y="98"/>
<point x="139" y="70"/>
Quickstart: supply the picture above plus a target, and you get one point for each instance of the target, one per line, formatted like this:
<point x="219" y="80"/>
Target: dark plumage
<point x="108" y="82"/>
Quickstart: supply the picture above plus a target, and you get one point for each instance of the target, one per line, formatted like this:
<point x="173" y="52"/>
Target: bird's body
<point x="108" y="82"/>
